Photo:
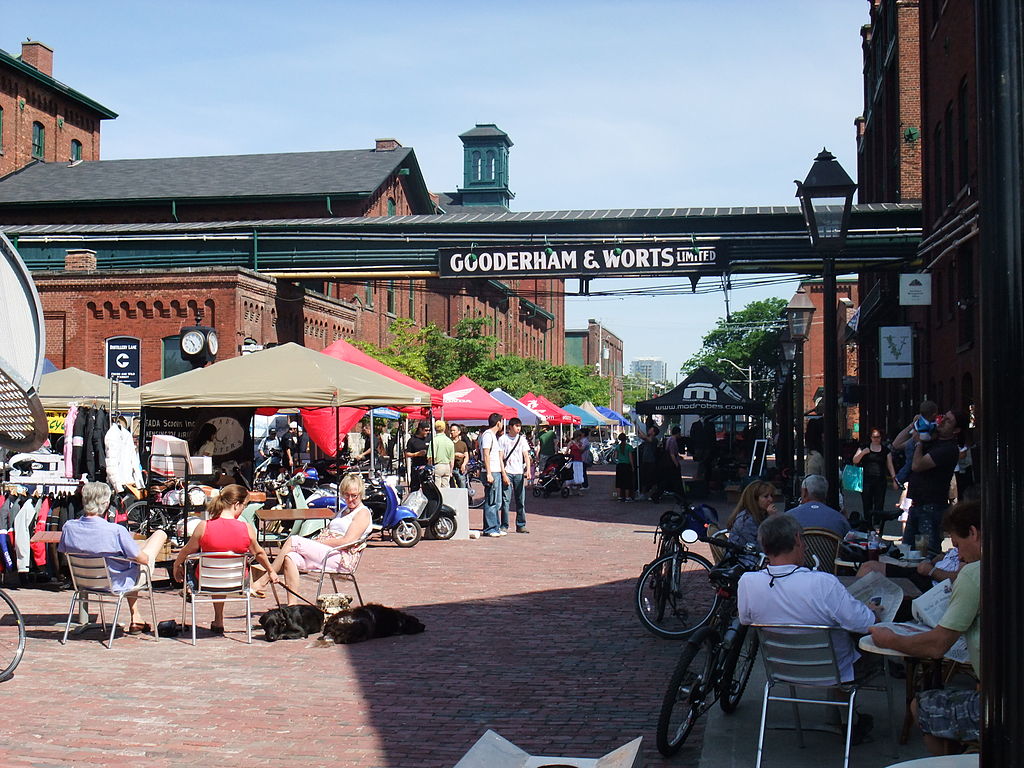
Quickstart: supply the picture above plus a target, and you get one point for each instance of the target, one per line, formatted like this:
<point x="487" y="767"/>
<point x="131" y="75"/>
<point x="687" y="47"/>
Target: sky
<point x="609" y="104"/>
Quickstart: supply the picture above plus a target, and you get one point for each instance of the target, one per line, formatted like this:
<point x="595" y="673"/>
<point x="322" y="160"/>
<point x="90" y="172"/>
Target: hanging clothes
<point x="22" y="536"/>
<point x="39" y="548"/>
<point x="123" y="465"/>
<point x="82" y="423"/>
<point x="7" y="512"/>
<point x="100" y="425"/>
<point x="69" y="439"/>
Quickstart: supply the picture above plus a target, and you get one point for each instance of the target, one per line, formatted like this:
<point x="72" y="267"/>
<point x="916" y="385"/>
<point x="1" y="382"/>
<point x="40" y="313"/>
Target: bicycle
<point x="474" y="482"/>
<point x="12" y="636"/>
<point x="717" y="660"/>
<point x="671" y="596"/>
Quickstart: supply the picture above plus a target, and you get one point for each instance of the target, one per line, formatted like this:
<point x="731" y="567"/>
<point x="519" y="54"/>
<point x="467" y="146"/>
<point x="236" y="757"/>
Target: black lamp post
<point x="799" y="313"/>
<point x="826" y="197"/>
<point x="784" y="380"/>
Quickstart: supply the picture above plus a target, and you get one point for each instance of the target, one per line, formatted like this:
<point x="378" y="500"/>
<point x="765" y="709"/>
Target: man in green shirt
<point x="948" y="714"/>
<point x="442" y="455"/>
<point x="546" y="444"/>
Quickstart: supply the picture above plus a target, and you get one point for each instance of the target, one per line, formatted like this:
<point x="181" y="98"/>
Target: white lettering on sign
<point x="636" y="258"/>
<point x="121" y="361"/>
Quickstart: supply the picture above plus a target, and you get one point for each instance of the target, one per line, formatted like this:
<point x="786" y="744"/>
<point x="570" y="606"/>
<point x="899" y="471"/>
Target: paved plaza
<point x="531" y="635"/>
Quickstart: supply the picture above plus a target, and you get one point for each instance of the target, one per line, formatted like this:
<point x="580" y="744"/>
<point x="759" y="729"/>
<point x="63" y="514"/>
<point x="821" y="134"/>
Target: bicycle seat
<point x="727" y="577"/>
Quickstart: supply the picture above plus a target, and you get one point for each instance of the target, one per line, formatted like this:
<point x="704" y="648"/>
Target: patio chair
<point x="714" y="532"/>
<point x="824" y="544"/>
<point x="802" y="656"/>
<point x="212" y="576"/>
<point x="90" y="579"/>
<point x="346" y="569"/>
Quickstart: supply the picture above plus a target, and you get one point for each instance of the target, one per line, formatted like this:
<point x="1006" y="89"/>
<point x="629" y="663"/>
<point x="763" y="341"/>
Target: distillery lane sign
<point x="632" y="259"/>
<point x="124" y="360"/>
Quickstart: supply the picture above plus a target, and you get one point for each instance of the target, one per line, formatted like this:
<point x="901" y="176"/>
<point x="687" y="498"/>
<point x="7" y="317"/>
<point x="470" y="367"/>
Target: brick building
<point x="599" y="349"/>
<point x="41" y="119"/>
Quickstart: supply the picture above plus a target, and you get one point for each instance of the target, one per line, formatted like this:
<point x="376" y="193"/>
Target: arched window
<point x="38" y="140"/>
<point x="76" y="150"/>
<point x="477" y="167"/>
<point x="391" y="206"/>
<point x="492" y="164"/>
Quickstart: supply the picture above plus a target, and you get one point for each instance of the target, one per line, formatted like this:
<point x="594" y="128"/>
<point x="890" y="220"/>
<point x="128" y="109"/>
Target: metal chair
<point x="823" y="543"/>
<point x="802" y="656"/>
<point x="346" y="568"/>
<point x="90" y="579"/>
<point x="215" y="576"/>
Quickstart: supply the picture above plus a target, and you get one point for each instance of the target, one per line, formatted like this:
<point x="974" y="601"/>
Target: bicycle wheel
<point x="737" y="668"/>
<point x="12" y="636"/>
<point x="689" y="690"/>
<point x="673" y="596"/>
<point x="138" y="517"/>
<point x="476" y="492"/>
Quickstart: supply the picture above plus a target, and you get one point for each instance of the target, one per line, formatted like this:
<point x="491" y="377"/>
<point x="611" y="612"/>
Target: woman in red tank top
<point x="224" y="532"/>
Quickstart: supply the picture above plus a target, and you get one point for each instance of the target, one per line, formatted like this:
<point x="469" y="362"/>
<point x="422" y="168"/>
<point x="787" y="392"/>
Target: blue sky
<point x="610" y="104"/>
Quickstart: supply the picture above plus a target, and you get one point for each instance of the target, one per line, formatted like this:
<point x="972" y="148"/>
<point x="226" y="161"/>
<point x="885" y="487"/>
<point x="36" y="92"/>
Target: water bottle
<point x="874" y="545"/>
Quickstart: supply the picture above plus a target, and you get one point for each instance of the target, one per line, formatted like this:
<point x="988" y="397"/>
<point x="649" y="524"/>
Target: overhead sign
<point x="124" y="360"/>
<point x="635" y="259"/>
<point x="915" y="290"/>
<point x="895" y="352"/>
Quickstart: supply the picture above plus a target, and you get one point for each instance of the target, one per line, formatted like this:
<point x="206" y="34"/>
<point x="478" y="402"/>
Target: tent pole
<point x="337" y="458"/>
<point x="373" y="442"/>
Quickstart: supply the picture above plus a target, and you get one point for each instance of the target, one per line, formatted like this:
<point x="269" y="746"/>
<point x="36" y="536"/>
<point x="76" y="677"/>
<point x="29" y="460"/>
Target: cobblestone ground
<point x="532" y="635"/>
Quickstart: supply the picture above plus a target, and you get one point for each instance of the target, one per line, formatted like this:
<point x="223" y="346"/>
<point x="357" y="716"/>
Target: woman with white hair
<point x="93" y="536"/>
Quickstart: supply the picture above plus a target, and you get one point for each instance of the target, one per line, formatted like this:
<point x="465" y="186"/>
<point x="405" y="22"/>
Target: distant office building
<point x="650" y="368"/>
<point x="601" y="350"/>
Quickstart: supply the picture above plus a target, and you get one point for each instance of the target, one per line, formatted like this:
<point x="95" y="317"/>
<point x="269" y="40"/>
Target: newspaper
<point x="927" y="611"/>
<point x="874" y="588"/>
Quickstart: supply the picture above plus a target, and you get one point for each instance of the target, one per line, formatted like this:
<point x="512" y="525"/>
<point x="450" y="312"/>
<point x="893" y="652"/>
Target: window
<point x="76" y="150"/>
<point x="492" y="162"/>
<point x="38" y="140"/>
<point x="172" y="364"/>
<point x="477" y="167"/>
<point x="391" y="297"/>
<point x="368" y="293"/>
<point x="391" y="206"/>
<point x="961" y="108"/>
<point x="947" y="172"/>
<point x="412" y="301"/>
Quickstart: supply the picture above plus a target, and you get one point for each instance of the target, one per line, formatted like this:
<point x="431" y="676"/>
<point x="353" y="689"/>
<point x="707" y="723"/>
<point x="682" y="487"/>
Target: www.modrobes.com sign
<point x="636" y="259"/>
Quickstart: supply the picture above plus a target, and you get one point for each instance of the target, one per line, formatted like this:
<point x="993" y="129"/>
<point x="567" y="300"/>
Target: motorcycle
<point x="388" y="516"/>
<point x="436" y="517"/>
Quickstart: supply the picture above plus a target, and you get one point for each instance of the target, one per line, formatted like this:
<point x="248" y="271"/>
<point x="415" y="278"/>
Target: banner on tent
<point x="638" y="259"/>
<point x="222" y="433"/>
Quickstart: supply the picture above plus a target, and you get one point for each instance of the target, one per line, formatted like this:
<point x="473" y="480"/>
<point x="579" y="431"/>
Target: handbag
<point x="853" y="478"/>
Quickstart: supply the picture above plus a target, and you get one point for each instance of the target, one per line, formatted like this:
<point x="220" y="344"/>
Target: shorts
<point x="308" y="555"/>
<point x="950" y="713"/>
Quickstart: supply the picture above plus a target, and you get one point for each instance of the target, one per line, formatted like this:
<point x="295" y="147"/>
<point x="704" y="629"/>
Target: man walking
<point x="442" y="455"/>
<point x="495" y="477"/>
<point x="515" y="452"/>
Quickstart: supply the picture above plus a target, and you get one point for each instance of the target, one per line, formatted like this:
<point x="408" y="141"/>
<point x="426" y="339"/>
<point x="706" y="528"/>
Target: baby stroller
<point x="556" y="473"/>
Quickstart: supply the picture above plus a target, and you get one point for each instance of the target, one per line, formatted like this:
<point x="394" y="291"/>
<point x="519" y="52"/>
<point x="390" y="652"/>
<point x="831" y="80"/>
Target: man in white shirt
<point x="515" y="452"/>
<point x="786" y="592"/>
<point x="491" y="456"/>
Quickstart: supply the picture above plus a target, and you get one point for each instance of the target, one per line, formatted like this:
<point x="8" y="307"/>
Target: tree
<point x="405" y="353"/>
<point x="749" y="338"/>
<point x="449" y="357"/>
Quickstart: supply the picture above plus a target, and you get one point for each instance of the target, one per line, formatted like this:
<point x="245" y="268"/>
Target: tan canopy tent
<point x="590" y="408"/>
<point x="70" y="385"/>
<point x="280" y="377"/>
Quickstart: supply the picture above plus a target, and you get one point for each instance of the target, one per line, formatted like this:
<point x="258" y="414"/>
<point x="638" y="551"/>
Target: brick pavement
<point x="531" y="635"/>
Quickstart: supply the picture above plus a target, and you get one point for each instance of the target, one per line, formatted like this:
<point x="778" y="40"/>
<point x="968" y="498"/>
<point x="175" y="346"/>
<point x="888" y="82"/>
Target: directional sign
<point x="124" y="360"/>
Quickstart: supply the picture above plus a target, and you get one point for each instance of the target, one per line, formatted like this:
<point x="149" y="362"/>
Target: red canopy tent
<point x="465" y="400"/>
<point x="548" y="410"/>
<point x="323" y="426"/>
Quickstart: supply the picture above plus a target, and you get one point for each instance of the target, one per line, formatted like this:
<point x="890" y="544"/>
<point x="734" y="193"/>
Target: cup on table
<point x="921" y="544"/>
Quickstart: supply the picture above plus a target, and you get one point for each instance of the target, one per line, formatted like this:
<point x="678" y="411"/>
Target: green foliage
<point x="405" y="353"/>
<point x="750" y="338"/>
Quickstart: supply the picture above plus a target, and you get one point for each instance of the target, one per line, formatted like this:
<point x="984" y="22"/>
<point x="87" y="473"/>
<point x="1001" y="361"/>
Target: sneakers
<point x="503" y="532"/>
<point x="491" y="534"/>
<point x="521" y="530"/>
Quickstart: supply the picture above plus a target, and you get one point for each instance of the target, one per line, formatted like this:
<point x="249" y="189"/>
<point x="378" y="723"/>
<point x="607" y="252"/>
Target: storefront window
<point x="172" y="363"/>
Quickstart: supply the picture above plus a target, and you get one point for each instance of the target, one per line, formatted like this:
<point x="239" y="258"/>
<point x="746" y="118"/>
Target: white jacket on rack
<point x="123" y="467"/>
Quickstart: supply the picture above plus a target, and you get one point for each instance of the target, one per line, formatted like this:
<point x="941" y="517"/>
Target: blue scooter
<point x="388" y="515"/>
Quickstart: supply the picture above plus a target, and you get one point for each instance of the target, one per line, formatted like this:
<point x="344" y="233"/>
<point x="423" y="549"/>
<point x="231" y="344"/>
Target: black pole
<point x="798" y="415"/>
<point x="830" y="443"/>
<point x="1000" y="51"/>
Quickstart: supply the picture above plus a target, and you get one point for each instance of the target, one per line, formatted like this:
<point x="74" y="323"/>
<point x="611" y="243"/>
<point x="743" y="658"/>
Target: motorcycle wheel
<point x="443" y="528"/>
<point x="407" y="533"/>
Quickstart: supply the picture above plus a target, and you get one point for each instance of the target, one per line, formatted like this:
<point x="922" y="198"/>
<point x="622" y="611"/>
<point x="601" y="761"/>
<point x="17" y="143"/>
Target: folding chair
<point x="351" y="554"/>
<point x="215" y="576"/>
<point x="90" y="579"/>
<point x="802" y="656"/>
<point x="824" y="544"/>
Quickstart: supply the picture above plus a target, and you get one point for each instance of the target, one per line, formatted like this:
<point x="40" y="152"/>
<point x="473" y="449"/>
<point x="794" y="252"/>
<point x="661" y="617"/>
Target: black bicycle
<point x="672" y="597"/>
<point x="716" y="661"/>
<point x="12" y="636"/>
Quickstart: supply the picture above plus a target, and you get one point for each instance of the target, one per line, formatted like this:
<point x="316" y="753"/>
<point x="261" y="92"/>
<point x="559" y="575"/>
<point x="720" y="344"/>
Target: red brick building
<point x="41" y="119"/>
<point x="599" y="349"/>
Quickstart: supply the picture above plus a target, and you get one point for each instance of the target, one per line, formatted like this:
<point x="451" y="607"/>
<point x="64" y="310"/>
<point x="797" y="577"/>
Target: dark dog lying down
<point x="291" y="622"/>
<point x="354" y="625"/>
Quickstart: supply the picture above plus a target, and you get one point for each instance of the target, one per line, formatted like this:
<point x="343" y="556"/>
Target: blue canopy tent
<point x="586" y="420"/>
<point x="623" y="421"/>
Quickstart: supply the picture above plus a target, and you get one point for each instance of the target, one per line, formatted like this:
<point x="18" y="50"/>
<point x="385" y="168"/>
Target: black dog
<point x="291" y="622"/>
<point x="354" y="625"/>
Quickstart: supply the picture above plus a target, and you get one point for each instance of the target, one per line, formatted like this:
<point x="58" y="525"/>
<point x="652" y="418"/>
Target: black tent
<point x="703" y="392"/>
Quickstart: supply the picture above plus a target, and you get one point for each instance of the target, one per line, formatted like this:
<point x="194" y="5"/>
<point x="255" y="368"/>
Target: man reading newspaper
<point x="949" y="716"/>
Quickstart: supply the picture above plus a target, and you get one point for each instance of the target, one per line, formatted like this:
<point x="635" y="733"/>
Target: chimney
<point x="80" y="260"/>
<point x="387" y="145"/>
<point x="38" y="55"/>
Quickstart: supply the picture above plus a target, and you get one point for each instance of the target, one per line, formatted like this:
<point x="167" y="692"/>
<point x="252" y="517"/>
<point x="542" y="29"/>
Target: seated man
<point x="786" y="592"/>
<point x="93" y="536"/>
<point x="949" y="715"/>
<point x="813" y="512"/>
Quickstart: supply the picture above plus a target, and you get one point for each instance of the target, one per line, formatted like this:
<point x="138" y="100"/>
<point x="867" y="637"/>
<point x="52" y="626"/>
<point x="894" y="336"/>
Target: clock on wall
<point x="199" y="343"/>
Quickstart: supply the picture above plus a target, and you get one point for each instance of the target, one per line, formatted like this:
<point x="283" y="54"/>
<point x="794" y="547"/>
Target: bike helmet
<point x="312" y="474"/>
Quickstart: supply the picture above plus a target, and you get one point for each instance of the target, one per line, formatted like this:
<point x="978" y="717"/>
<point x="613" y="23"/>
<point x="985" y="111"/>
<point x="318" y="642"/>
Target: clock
<point x="212" y="343"/>
<point x="192" y="343"/>
<point x="230" y="435"/>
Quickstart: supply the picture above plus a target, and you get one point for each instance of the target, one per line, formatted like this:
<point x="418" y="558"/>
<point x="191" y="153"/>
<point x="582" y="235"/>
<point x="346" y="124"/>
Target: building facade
<point x="649" y="368"/>
<point x="597" y="348"/>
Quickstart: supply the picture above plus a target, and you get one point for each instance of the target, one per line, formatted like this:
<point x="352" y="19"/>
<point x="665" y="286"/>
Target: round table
<point x="943" y="761"/>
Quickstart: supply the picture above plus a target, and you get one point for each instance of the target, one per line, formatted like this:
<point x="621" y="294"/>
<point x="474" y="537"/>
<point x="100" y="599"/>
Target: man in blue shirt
<point x="813" y="512"/>
<point x="93" y="536"/>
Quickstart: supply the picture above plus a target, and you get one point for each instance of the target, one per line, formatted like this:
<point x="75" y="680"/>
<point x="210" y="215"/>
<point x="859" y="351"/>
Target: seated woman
<point x="301" y="554"/>
<point x="223" y="532"/>
<point x="756" y="504"/>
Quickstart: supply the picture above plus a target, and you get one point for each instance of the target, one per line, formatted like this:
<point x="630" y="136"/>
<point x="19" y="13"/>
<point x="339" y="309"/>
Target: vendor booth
<point x="528" y="416"/>
<point x="467" y="402"/>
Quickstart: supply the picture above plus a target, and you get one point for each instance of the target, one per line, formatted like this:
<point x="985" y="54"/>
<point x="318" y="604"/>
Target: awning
<point x="618" y="417"/>
<point x="586" y="419"/>
<point x="58" y="389"/>
<point x="703" y="392"/>
<point x="526" y="415"/>
<point x="465" y="400"/>
<point x="548" y="410"/>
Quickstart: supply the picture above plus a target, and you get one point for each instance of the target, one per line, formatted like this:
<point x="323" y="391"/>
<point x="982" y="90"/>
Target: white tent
<point x="528" y="416"/>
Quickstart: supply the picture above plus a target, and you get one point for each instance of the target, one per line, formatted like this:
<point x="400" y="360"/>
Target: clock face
<point x="212" y="342"/>
<point x="229" y="437"/>
<point x="192" y="343"/>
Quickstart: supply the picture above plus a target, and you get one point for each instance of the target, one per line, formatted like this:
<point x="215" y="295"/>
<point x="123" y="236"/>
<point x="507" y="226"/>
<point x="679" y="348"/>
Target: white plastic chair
<point x="802" y="656"/>
<point x="222" y="576"/>
<point x="345" y="571"/>
<point x="90" y="579"/>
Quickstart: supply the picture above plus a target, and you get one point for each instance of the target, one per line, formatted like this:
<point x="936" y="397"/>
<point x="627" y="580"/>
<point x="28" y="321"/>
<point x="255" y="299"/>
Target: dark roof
<point x="350" y="172"/>
<point x="57" y="85"/>
<point x="703" y="392"/>
<point x="451" y="202"/>
<point x="486" y="131"/>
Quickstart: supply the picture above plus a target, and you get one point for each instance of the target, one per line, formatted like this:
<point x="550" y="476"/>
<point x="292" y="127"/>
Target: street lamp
<point x="799" y="312"/>
<point x="749" y="370"/>
<point x="826" y="199"/>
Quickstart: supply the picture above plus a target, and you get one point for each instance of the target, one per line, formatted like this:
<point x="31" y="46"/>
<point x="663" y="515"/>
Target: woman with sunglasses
<point x="876" y="461"/>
